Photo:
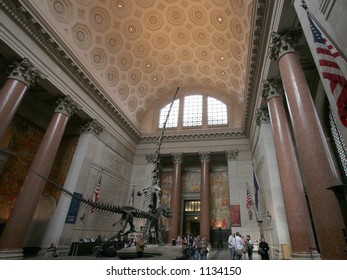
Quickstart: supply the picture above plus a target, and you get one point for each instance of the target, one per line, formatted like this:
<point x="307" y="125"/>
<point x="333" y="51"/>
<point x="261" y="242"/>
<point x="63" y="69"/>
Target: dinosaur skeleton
<point x="152" y="194"/>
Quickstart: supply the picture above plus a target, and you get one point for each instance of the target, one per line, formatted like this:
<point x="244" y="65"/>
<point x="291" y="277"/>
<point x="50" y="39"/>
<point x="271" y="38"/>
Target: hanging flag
<point x="330" y="70"/>
<point x="249" y="204"/>
<point x="256" y="191"/>
<point x="95" y="196"/>
<point x="132" y="197"/>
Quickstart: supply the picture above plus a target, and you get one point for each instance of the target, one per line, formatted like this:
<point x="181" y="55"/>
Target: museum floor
<point x="152" y="252"/>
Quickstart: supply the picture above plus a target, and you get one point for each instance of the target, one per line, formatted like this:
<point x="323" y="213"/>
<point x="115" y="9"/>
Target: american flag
<point x="256" y="191"/>
<point x="249" y="204"/>
<point x="330" y="70"/>
<point x="95" y="196"/>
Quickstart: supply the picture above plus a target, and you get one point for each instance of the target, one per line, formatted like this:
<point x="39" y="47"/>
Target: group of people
<point x="193" y="247"/>
<point x="240" y="246"/>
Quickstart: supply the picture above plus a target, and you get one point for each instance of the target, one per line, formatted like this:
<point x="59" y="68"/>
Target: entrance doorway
<point x="191" y="217"/>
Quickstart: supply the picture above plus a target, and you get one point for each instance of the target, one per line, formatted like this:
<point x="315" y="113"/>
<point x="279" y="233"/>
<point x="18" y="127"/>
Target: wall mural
<point x="191" y="181"/>
<point x="166" y="186"/>
<point x="23" y="139"/>
<point x="219" y="202"/>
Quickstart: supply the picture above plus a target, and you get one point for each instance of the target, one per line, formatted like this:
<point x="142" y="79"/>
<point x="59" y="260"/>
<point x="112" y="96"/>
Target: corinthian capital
<point x="271" y="88"/>
<point x="231" y="154"/>
<point x="25" y="72"/>
<point x="283" y="43"/>
<point x="177" y="158"/>
<point x="204" y="156"/>
<point x="66" y="105"/>
<point x="93" y="126"/>
<point x="262" y="116"/>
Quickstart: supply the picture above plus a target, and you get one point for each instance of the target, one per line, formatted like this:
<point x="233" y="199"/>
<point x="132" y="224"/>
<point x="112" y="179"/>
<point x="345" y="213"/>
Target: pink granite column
<point x="298" y="217"/>
<point x="316" y="162"/>
<point x="205" y="195"/>
<point x="11" y="94"/>
<point x="175" y="204"/>
<point x="17" y="226"/>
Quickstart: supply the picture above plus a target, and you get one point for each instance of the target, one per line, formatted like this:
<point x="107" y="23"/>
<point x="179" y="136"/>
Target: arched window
<point x="198" y="111"/>
<point x="192" y="110"/>
<point x="217" y="113"/>
<point x="173" y="118"/>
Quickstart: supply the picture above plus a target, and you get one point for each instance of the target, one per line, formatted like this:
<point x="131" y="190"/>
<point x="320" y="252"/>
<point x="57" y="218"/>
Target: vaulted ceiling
<point x="139" y="51"/>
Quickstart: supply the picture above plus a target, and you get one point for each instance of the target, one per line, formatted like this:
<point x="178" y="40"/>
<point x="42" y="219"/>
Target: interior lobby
<point x="230" y="114"/>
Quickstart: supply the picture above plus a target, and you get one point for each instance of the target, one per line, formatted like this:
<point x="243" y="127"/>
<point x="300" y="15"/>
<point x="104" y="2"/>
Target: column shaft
<point x="297" y="212"/>
<point x="316" y="162"/>
<point x="17" y="226"/>
<point x="175" y="200"/>
<point x="11" y="94"/>
<point x="205" y="198"/>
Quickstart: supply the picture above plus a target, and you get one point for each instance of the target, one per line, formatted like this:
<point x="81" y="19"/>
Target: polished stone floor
<point x="152" y="252"/>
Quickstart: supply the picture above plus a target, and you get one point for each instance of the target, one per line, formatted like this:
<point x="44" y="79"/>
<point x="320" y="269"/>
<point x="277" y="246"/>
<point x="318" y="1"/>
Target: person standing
<point x="264" y="249"/>
<point x="238" y="246"/>
<point x="203" y="248"/>
<point x="249" y="247"/>
<point x="231" y="245"/>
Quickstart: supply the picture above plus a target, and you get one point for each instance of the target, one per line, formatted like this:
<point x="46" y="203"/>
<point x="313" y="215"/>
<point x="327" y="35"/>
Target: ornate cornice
<point x="195" y="136"/>
<point x="261" y="31"/>
<point x="18" y="13"/>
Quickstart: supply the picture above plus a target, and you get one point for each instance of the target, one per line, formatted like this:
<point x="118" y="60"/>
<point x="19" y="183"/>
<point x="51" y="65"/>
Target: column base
<point x="303" y="256"/>
<point x="15" y="254"/>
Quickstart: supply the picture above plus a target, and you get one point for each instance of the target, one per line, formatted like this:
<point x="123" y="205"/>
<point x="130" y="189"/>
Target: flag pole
<point x="305" y="7"/>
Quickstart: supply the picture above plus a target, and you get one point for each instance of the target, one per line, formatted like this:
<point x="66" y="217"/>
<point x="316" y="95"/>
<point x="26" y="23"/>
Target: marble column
<point x="13" y="236"/>
<point x="175" y="204"/>
<point x="315" y="159"/>
<point x="85" y="148"/>
<point x="205" y="195"/>
<point x="22" y="76"/>
<point x="296" y="208"/>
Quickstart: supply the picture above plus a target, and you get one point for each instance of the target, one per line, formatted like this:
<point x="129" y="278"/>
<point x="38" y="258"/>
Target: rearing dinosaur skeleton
<point x="152" y="194"/>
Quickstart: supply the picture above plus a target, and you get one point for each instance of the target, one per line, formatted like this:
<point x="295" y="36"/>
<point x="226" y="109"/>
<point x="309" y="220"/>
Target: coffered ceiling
<point x="139" y="51"/>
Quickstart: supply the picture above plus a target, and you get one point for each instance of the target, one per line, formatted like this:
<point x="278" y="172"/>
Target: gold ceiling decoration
<point x="139" y="51"/>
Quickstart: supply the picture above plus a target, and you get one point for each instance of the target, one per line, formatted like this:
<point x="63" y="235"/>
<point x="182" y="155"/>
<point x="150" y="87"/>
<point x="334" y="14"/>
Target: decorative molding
<point x="19" y="14"/>
<point x="195" y="136"/>
<point x="261" y="29"/>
